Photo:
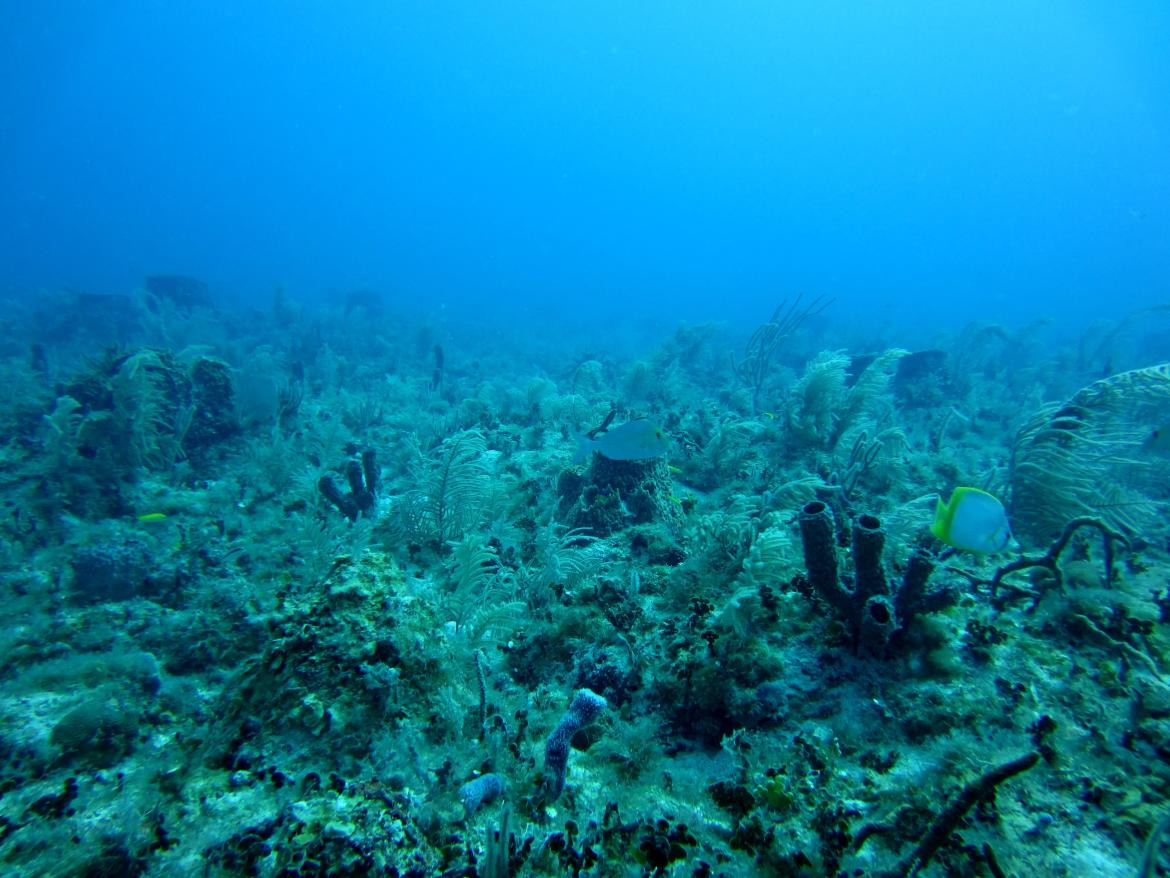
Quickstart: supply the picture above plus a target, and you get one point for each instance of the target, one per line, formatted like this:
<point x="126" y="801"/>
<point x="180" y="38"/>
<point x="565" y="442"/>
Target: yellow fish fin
<point x="941" y="526"/>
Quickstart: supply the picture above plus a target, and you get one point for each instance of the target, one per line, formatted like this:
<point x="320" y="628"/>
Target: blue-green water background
<point x="925" y="163"/>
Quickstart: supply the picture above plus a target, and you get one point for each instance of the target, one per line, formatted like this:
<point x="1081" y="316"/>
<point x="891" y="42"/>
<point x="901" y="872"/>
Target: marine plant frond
<point x="270" y="463"/>
<point x="192" y="353"/>
<point x="317" y="542"/>
<point x="905" y="521"/>
<point x="506" y="533"/>
<point x="768" y="558"/>
<point x="1129" y="510"/>
<point x="450" y="709"/>
<point x="730" y="529"/>
<point x="145" y="358"/>
<point x="814" y="401"/>
<point x="753" y="369"/>
<point x="795" y="492"/>
<point x="581" y="563"/>
<point x="493" y="621"/>
<point x="1135" y="387"/>
<point x="1084" y="458"/>
<point x="325" y="438"/>
<point x="64" y="423"/>
<point x="499" y="500"/>
<point x="139" y="392"/>
<point x="824" y="374"/>
<point x="567" y="556"/>
<point x="304" y="484"/>
<point x="740" y="431"/>
<point x="552" y="535"/>
<point x="451" y="485"/>
<point x="738" y="611"/>
<point x="870" y="397"/>
<point x="470" y="568"/>
<point x="478" y="597"/>
<point x="731" y="443"/>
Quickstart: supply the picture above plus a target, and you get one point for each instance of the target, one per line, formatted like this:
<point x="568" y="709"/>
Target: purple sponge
<point x="586" y="707"/>
<point x="483" y="790"/>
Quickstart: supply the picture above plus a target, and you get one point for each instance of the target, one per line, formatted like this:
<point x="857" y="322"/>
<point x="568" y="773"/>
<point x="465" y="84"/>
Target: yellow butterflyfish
<point x="972" y="520"/>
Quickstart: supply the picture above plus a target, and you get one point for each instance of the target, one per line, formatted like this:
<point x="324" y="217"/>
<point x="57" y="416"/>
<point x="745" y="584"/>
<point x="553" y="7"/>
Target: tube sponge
<point x="820" y="550"/>
<point x="869" y="538"/>
<point x="878" y="624"/>
<point x="585" y="708"/>
<point x="481" y="791"/>
<point x="873" y="611"/>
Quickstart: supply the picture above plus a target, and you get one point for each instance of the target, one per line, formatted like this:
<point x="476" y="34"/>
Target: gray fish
<point x="633" y="440"/>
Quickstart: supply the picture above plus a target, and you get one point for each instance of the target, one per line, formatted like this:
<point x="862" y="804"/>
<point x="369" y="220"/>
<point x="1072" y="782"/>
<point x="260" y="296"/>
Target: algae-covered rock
<point x="112" y="571"/>
<point x="96" y="732"/>
<point x="213" y="395"/>
<point x="615" y="494"/>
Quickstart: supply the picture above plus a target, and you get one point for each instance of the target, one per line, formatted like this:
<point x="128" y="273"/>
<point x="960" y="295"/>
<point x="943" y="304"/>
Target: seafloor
<point x="324" y="591"/>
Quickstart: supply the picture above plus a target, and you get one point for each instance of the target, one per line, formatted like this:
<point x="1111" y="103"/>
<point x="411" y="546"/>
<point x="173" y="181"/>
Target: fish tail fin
<point x="584" y="446"/>
<point x="938" y="527"/>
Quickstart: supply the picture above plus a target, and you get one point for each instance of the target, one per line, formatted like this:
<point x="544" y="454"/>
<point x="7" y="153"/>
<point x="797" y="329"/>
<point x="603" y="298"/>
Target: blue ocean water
<point x="923" y="163"/>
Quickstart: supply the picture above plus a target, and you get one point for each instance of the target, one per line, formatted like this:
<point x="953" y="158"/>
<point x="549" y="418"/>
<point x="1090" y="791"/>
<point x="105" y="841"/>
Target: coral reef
<point x="317" y="598"/>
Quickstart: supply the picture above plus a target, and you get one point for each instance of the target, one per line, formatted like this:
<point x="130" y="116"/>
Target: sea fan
<point x="816" y="398"/>
<point x="1084" y="457"/>
<point x="140" y="403"/>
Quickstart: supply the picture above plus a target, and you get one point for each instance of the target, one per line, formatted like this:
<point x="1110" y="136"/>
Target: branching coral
<point x="756" y="365"/>
<point x="982" y="789"/>
<point x="1050" y="560"/>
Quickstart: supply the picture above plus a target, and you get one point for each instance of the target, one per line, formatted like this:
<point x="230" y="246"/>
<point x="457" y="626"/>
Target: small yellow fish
<point x="972" y="520"/>
<point x="152" y="516"/>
